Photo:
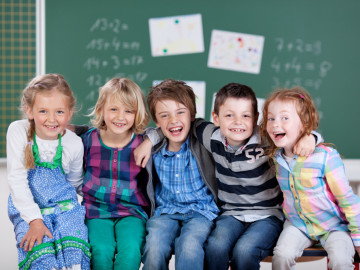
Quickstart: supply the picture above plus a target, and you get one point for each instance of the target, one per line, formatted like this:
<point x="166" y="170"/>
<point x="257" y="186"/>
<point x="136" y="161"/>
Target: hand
<point x="305" y="146"/>
<point x="36" y="233"/>
<point x="142" y="153"/>
<point x="357" y="250"/>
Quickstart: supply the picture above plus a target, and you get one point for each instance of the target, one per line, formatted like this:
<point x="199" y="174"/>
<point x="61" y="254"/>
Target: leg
<point x="221" y="241"/>
<point x="72" y="238"/>
<point x="289" y="247"/>
<point x="255" y="243"/>
<point x="189" y="246"/>
<point x="161" y="233"/>
<point x="42" y="256"/>
<point x="130" y="239"/>
<point x="340" y="249"/>
<point x="102" y="241"/>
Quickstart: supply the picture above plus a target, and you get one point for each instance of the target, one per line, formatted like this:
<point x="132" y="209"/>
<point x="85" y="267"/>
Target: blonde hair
<point x="305" y="108"/>
<point x="42" y="84"/>
<point x="127" y="92"/>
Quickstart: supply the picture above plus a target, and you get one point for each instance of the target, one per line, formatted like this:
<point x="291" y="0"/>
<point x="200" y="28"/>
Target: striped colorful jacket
<point x="317" y="195"/>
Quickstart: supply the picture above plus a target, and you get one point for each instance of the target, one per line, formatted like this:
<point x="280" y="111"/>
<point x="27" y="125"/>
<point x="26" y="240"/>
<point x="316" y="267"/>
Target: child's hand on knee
<point x="36" y="233"/>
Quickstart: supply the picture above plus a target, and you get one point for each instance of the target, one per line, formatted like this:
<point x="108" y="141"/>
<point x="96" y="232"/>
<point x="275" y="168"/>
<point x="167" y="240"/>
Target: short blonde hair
<point x="127" y="92"/>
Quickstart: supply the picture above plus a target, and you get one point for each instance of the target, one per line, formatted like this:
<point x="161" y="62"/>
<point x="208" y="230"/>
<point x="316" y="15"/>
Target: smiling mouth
<point x="238" y="130"/>
<point x="118" y="125"/>
<point x="51" y="127"/>
<point x="279" y="136"/>
<point x="176" y="130"/>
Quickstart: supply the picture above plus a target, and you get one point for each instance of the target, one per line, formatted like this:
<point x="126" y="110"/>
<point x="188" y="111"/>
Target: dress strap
<point x="57" y="161"/>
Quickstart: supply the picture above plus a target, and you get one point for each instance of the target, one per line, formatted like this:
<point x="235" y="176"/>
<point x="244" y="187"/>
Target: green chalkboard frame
<point x="308" y="43"/>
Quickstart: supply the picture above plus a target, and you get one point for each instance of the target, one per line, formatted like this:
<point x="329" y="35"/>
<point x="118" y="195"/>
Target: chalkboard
<point x="314" y="44"/>
<point x="17" y="59"/>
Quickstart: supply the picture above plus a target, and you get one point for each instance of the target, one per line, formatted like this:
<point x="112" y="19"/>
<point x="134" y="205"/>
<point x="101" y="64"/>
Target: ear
<point x="156" y="123"/>
<point x="29" y="113"/>
<point x="71" y="114"/>
<point x="215" y="118"/>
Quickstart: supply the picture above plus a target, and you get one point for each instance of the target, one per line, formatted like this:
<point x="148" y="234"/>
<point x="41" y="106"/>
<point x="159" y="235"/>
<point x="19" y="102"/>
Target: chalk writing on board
<point x="110" y="53"/>
<point x="101" y="44"/>
<point x="291" y="65"/>
<point x="105" y="24"/>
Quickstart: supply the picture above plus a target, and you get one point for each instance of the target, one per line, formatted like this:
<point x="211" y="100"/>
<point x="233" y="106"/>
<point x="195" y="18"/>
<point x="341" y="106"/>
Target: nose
<point x="237" y="120"/>
<point x="120" y="114"/>
<point x="51" y="117"/>
<point x="173" y="118"/>
<point x="274" y="123"/>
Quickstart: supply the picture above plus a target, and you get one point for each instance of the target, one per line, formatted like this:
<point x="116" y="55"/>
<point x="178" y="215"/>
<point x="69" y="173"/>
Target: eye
<point x="270" y="119"/>
<point x="163" y="116"/>
<point x="113" y="109"/>
<point x="42" y="111"/>
<point x="284" y="118"/>
<point x="129" y="111"/>
<point x="228" y="115"/>
<point x="247" y="116"/>
<point x="60" y="112"/>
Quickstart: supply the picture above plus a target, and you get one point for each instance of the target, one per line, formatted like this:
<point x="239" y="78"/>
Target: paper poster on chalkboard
<point x="236" y="51"/>
<point x="176" y="35"/>
<point x="199" y="88"/>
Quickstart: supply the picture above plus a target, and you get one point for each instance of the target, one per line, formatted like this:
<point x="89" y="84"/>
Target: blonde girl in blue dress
<point x="44" y="163"/>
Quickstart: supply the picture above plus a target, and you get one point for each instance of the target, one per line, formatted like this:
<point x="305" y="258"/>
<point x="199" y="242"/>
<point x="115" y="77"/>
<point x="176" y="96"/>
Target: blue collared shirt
<point x="182" y="188"/>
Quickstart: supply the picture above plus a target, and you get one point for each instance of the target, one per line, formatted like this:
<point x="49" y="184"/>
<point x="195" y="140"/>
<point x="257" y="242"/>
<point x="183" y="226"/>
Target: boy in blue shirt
<point x="182" y="184"/>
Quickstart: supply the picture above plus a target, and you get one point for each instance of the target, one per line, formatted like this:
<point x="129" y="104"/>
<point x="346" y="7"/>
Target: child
<point x="319" y="204"/>
<point x="249" y="195"/>
<point x="182" y="184"/>
<point x="114" y="187"/>
<point x="44" y="163"/>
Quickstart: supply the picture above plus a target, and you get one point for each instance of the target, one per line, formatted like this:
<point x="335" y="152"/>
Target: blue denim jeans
<point x="184" y="234"/>
<point x="243" y="244"/>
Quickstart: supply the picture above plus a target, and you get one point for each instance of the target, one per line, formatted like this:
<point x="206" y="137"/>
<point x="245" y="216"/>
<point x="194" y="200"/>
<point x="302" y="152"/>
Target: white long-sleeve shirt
<point x="16" y="141"/>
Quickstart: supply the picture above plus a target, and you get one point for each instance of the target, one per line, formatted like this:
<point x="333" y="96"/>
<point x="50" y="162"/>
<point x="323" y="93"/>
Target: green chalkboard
<point x="17" y="59"/>
<point x="314" y="44"/>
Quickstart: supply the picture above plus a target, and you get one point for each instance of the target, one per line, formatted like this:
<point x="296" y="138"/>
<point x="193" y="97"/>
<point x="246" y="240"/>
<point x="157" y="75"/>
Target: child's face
<point x="51" y="114"/>
<point x="174" y="119"/>
<point x="236" y="120"/>
<point x="119" y="119"/>
<point x="284" y="125"/>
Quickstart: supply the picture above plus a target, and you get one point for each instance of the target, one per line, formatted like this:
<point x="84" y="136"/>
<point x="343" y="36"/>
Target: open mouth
<point x="176" y="130"/>
<point x="279" y="136"/>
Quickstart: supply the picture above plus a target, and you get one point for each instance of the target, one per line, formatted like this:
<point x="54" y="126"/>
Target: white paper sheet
<point x="176" y="35"/>
<point x="236" y="51"/>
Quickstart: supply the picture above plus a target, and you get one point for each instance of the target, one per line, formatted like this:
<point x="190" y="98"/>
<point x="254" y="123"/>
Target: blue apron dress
<point x="62" y="215"/>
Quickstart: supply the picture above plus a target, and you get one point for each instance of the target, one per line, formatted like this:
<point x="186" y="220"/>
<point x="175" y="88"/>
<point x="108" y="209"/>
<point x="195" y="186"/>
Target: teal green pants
<point x="116" y="243"/>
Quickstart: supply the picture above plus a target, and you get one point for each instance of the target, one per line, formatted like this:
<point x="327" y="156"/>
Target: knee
<point x="284" y="254"/>
<point x="103" y="250"/>
<point x="246" y="257"/>
<point x="154" y="253"/>
<point x="215" y="247"/>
